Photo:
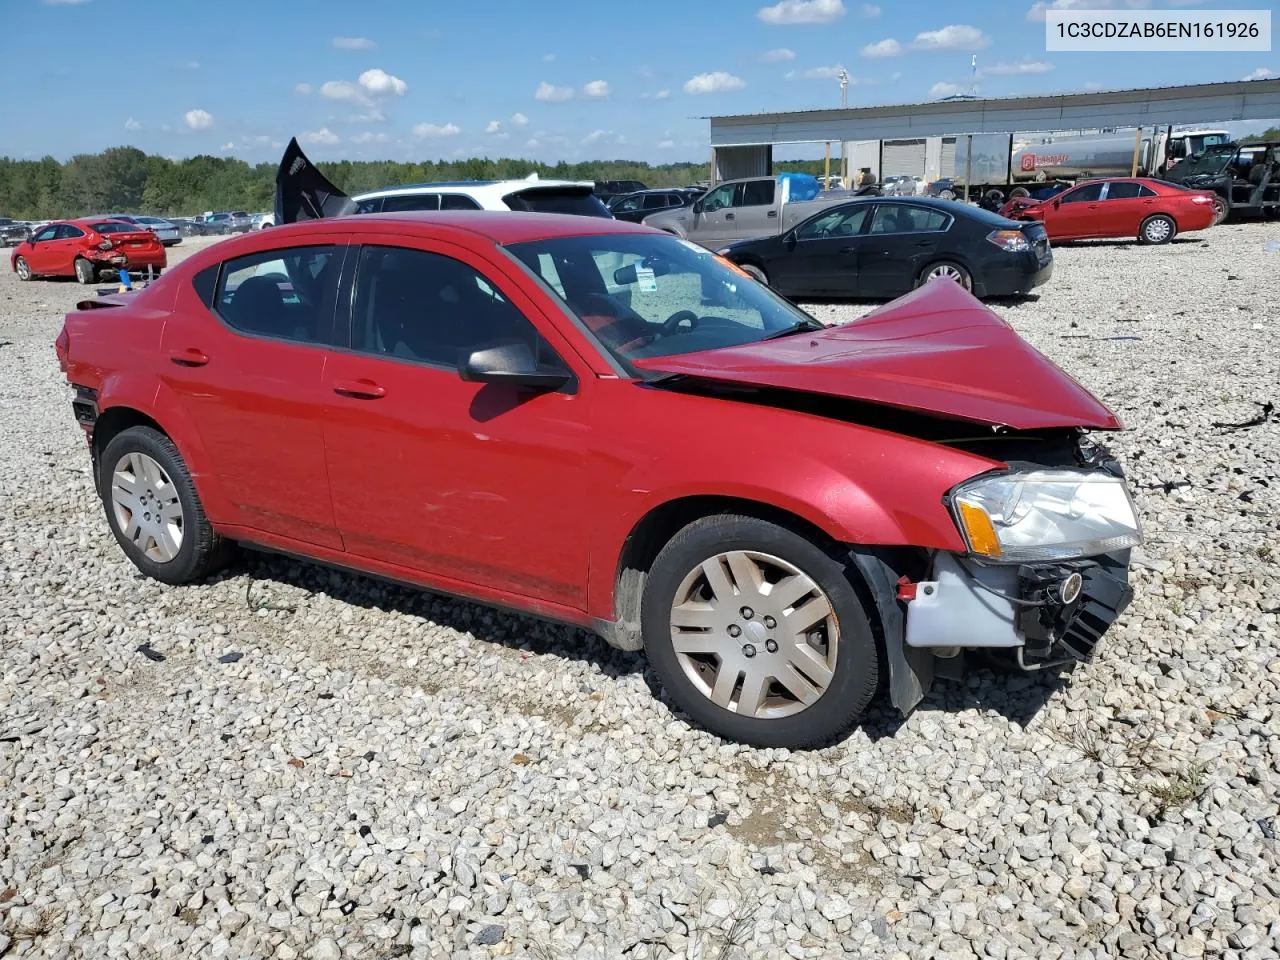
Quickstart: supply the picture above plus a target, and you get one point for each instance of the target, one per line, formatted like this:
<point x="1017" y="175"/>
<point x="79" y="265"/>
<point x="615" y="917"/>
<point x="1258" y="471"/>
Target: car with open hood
<point x="595" y="422"/>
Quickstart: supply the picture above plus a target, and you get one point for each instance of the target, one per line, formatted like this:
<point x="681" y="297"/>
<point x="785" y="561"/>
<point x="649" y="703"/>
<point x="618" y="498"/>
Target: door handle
<point x="190" y="357"/>
<point x="729" y="216"/>
<point x="924" y="243"/>
<point x="359" y="389"/>
<point x="773" y="214"/>
<point x="848" y="249"/>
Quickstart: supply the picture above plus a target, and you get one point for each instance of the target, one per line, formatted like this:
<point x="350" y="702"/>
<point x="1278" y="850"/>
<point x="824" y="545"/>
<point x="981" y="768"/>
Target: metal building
<point x="743" y="145"/>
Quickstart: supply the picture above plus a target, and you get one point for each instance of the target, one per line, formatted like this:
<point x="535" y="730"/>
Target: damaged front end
<point x="1045" y="576"/>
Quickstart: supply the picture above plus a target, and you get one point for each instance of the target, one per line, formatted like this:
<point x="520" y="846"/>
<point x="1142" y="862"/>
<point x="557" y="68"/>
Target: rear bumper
<point x="132" y="259"/>
<point x="1013" y="278"/>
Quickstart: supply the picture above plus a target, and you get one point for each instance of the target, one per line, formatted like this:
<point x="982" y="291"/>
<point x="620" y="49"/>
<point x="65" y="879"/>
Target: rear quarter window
<point x="580" y="202"/>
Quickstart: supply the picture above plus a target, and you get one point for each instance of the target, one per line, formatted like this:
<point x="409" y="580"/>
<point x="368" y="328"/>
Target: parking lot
<point x="293" y="762"/>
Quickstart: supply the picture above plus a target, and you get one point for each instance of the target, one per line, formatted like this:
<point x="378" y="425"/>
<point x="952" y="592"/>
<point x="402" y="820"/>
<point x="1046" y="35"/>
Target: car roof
<point x="491" y="189"/>
<point x="500" y="227"/>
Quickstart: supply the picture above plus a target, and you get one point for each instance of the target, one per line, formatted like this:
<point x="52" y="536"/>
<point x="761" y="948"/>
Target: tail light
<point x="105" y="244"/>
<point x="1011" y="241"/>
<point x="1196" y="198"/>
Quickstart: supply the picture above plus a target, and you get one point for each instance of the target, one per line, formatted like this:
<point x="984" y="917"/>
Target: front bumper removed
<point x="1044" y="614"/>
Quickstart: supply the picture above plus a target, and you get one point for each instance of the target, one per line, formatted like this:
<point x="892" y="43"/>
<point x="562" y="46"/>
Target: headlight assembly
<point x="1045" y="515"/>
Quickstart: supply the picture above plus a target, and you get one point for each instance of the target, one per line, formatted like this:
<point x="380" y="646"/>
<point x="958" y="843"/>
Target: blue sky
<point x="421" y="79"/>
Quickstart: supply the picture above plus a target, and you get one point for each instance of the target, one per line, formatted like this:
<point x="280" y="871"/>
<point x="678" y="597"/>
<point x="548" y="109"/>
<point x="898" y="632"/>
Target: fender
<point x="858" y="485"/>
<point x="156" y="400"/>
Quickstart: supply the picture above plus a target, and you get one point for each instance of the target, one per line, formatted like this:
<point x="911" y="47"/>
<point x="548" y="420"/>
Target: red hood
<point x="937" y="350"/>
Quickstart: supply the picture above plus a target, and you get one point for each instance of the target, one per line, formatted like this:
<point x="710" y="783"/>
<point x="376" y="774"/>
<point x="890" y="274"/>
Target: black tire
<point x="22" y="268"/>
<point x="856" y="675"/>
<point x="1019" y="192"/>
<point x="1157" y="229"/>
<point x="202" y="551"/>
<point x="964" y="278"/>
<point x="1220" y="210"/>
<point x="86" y="272"/>
<point x="994" y="196"/>
<point x="757" y="273"/>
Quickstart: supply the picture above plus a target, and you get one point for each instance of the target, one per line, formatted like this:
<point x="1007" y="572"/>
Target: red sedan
<point x="596" y="422"/>
<point x="1151" y="210"/>
<point x="85" y="248"/>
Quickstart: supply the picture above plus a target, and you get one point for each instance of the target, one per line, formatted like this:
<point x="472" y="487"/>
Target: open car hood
<point x="304" y="193"/>
<point x="937" y="350"/>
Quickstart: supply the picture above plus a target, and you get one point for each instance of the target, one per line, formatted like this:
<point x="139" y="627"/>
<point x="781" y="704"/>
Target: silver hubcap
<point x="1157" y="230"/>
<point x="754" y="634"/>
<point x="147" y="507"/>
<point x="950" y="273"/>
<point x="24" y="269"/>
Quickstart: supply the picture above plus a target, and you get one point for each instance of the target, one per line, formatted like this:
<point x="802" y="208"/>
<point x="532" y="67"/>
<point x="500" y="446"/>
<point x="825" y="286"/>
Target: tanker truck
<point x="1002" y="166"/>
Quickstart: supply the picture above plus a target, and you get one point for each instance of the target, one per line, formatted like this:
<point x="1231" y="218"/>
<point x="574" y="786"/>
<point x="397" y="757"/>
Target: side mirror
<point x="512" y="364"/>
<point x="790" y="240"/>
<point x="697" y="206"/>
<point x="1056" y="204"/>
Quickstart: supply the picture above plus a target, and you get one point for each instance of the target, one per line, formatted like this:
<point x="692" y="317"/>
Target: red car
<point x="596" y="422"/>
<point x="1151" y="210"/>
<point x="85" y="248"/>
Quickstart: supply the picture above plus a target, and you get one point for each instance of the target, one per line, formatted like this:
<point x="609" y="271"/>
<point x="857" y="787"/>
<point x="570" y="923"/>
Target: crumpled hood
<point x="937" y="350"/>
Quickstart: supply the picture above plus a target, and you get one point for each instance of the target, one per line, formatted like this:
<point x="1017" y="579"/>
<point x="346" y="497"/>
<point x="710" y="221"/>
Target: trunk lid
<point x="937" y="350"/>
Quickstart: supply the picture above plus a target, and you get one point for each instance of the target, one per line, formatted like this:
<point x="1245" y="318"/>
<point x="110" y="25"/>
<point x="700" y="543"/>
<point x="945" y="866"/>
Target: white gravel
<point x="383" y="773"/>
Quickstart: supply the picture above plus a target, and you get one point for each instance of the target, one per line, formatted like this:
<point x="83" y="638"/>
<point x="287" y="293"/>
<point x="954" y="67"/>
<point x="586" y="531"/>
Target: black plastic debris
<point x="232" y="657"/>
<point x="155" y="656"/>
<point x="717" y="819"/>
<point x="1268" y="409"/>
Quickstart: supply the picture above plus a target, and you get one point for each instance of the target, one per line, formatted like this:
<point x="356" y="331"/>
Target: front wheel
<point x="756" y="273"/>
<point x="946" y="271"/>
<point x="1158" y="229"/>
<point x="85" y="271"/>
<point x="22" y="268"/>
<point x="757" y="633"/>
<point x="153" y="510"/>
<point x="1220" y="210"/>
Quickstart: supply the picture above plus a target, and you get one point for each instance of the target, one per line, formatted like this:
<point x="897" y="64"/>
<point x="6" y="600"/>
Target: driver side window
<point x="837" y="223"/>
<point x="1086" y="194"/>
<point x="719" y="198"/>
<point x="47" y="233"/>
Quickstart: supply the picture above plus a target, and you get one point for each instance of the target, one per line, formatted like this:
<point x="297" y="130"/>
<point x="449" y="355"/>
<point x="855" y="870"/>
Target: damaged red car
<point x="595" y="422"/>
<point x="1153" y="211"/>
<point x="87" y="248"/>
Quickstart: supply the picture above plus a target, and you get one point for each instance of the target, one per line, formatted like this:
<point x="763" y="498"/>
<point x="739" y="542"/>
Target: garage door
<point x="948" y="163"/>
<point x="902" y="156"/>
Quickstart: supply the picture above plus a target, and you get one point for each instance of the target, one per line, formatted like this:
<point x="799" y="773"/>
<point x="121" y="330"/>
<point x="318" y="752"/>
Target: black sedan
<point x="885" y="246"/>
<point x="634" y="207"/>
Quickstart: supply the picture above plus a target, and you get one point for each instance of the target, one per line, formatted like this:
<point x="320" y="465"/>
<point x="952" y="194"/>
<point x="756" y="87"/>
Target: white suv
<point x="529" y="195"/>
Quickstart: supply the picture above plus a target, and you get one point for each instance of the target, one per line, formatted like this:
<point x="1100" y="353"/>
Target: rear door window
<point x="904" y="218"/>
<point x="372" y="205"/>
<point x="457" y="201"/>
<point x="656" y="201"/>
<point x="757" y="193"/>
<point x="1124" y="190"/>
<point x="285" y="294"/>
<point x="575" y="201"/>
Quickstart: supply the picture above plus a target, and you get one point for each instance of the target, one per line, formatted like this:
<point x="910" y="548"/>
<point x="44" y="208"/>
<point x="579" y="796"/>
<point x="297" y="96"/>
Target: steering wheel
<point x="671" y="325"/>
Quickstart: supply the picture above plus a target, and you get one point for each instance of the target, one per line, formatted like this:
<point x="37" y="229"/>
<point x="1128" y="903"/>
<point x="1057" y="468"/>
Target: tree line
<point x="126" y="180"/>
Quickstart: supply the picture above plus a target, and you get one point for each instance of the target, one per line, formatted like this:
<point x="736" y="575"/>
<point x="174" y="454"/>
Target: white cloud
<point x="882" y="48"/>
<point x="324" y="136"/>
<point x="802" y="11"/>
<point x="1021" y="68"/>
<point x="666" y="144"/>
<point x="1262" y="73"/>
<point x="823" y="73"/>
<point x="1036" y="13"/>
<point x="368" y="136"/>
<point x="369" y="89"/>
<point x="343" y="91"/>
<point x="716" y="82"/>
<point x="228" y="146"/>
<point x="870" y="11"/>
<point x="132" y="124"/>
<point x="777" y="56"/>
<point x="603" y="136"/>
<point x="302" y="89"/>
<point x="198" y="119"/>
<point x="493" y="126"/>
<point x="945" y="90"/>
<point x="519" y="119"/>
<point x="353" y="43"/>
<point x="596" y="89"/>
<point x="424" y="130"/>
<point x="549" y="93"/>
<point x="955" y="37"/>
<point x="379" y="83"/>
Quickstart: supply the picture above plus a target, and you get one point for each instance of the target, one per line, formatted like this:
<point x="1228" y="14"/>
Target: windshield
<point x="1212" y="162"/>
<point x="655" y="296"/>
<point x="573" y="200"/>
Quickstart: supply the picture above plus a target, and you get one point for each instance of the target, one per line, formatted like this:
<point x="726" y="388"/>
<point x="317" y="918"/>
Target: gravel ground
<point x="289" y="762"/>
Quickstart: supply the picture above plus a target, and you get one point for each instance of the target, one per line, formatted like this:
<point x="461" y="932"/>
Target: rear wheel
<point x="757" y="633"/>
<point x="1157" y="229"/>
<point x="22" y="268"/>
<point x="756" y="273"/>
<point x="153" y="510"/>
<point x="1017" y="192"/>
<point x="948" y="271"/>
<point x="85" y="271"/>
<point x="1220" y="210"/>
<point x="947" y="195"/>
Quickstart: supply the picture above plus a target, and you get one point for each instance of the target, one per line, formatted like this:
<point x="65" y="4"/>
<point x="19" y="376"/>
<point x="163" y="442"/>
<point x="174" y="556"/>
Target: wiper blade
<point x="800" y="326"/>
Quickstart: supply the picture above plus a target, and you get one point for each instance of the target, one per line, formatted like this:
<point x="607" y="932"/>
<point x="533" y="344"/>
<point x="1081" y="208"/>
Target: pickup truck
<point x="746" y="209"/>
